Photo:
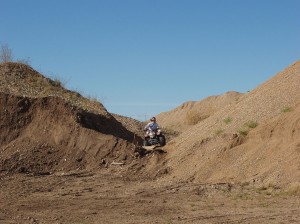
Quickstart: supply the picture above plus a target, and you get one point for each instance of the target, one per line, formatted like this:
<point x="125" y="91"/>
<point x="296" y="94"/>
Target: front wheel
<point x="146" y="143"/>
<point x="162" y="140"/>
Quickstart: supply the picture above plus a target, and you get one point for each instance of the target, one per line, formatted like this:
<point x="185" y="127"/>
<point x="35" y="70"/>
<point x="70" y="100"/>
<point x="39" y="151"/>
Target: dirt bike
<point x="154" y="138"/>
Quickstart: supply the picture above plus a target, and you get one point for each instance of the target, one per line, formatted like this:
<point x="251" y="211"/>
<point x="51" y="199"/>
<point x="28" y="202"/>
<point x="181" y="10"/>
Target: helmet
<point x="153" y="119"/>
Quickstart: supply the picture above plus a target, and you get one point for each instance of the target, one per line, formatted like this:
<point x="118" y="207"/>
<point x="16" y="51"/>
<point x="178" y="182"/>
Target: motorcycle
<point x="154" y="138"/>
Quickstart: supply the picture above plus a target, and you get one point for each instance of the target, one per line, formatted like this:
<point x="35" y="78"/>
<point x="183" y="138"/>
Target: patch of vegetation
<point x="286" y="109"/>
<point x="243" y="132"/>
<point x="26" y="61"/>
<point x="268" y="189"/>
<point x="246" y="128"/>
<point x="227" y="120"/>
<point x="244" y="196"/>
<point x="57" y="82"/>
<point x="219" y="131"/>
<point x="251" y="124"/>
<point x="5" y="54"/>
<point x="264" y="205"/>
<point x="92" y="99"/>
<point x="26" y="81"/>
<point x="293" y="189"/>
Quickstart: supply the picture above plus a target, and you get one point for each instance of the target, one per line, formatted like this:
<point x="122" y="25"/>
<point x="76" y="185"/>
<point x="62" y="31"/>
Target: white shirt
<point x="152" y="126"/>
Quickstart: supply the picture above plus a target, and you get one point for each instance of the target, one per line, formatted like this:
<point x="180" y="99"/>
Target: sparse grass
<point x="264" y="205"/>
<point x="244" y="196"/>
<point x="251" y="124"/>
<point x="26" y="61"/>
<point x="243" y="131"/>
<point x="286" y="109"/>
<point x="93" y="99"/>
<point x="227" y="120"/>
<point x="247" y="126"/>
<point x="245" y="184"/>
<point x="57" y="82"/>
<point x="219" y="131"/>
<point x="293" y="189"/>
<point x="5" y="53"/>
<point x="268" y="189"/>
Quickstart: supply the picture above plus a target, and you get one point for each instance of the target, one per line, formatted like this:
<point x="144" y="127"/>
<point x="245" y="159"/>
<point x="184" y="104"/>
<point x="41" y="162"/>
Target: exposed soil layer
<point x="48" y="134"/>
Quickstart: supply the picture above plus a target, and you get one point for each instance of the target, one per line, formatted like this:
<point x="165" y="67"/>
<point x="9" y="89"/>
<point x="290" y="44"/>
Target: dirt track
<point x="102" y="197"/>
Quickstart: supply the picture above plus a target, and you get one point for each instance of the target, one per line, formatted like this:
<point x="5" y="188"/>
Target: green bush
<point x="251" y="124"/>
<point x="227" y="120"/>
<point x="243" y="132"/>
<point x="286" y="109"/>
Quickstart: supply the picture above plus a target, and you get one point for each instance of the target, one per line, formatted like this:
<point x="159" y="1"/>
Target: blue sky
<point x="143" y="57"/>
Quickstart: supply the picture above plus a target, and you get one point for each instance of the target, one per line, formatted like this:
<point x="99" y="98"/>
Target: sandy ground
<point x="103" y="197"/>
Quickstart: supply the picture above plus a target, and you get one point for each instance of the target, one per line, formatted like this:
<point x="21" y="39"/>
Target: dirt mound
<point x="47" y="134"/>
<point x="192" y="112"/>
<point x="222" y="147"/>
<point x="22" y="80"/>
<point x="57" y="129"/>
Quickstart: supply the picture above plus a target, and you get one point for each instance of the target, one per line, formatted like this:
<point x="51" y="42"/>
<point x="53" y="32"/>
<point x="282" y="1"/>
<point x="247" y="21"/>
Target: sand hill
<point x="45" y="128"/>
<point x="226" y="147"/>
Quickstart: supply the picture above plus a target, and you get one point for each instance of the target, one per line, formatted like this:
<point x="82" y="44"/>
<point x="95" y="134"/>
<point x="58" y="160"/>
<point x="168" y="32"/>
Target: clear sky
<point x="142" y="57"/>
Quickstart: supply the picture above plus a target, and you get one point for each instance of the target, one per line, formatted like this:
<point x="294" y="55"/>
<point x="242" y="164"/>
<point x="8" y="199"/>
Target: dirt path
<point x="102" y="197"/>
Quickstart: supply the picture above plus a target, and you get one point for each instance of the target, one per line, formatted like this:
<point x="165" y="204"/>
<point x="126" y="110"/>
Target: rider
<point x="150" y="129"/>
<point x="152" y="125"/>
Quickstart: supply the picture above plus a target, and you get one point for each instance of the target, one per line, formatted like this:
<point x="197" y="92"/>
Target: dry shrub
<point x="219" y="131"/>
<point x="5" y="54"/>
<point x="293" y="189"/>
<point x="193" y="117"/>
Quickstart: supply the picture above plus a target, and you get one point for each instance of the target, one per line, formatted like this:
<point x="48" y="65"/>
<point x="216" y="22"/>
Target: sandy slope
<point x="214" y="150"/>
<point x="181" y="118"/>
